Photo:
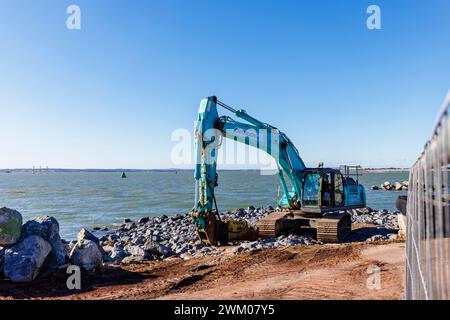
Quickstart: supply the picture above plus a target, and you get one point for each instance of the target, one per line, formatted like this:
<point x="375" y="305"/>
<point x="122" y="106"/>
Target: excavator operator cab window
<point x="326" y="185"/>
<point x="311" y="189"/>
<point x="338" y="190"/>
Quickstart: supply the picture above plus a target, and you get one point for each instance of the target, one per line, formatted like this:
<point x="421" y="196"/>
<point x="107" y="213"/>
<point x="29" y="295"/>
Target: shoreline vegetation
<point x="61" y="170"/>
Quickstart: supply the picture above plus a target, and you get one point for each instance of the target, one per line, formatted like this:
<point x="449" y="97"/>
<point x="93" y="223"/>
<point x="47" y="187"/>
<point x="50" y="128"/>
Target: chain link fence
<point x="428" y="219"/>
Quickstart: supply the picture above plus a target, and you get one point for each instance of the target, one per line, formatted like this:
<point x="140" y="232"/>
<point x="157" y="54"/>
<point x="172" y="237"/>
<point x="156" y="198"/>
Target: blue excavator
<point x="317" y="198"/>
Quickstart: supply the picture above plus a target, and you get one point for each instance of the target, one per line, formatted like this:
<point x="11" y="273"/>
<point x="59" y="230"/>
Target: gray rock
<point x="247" y="246"/>
<point x="139" y="240"/>
<point x="108" y="249"/>
<point x="398" y="186"/>
<point x="367" y="210"/>
<point x="118" y="254"/>
<point x="86" y="254"/>
<point x="377" y="237"/>
<point x="10" y="226"/>
<point x="129" y="226"/>
<point x="386" y="186"/>
<point x="133" y="260"/>
<point x="125" y="239"/>
<point x="113" y="237"/>
<point x="157" y="248"/>
<point x="181" y="250"/>
<point x="236" y="250"/>
<point x="135" y="251"/>
<point x="47" y="228"/>
<point x="87" y="235"/>
<point x="392" y="236"/>
<point x="23" y="261"/>
<point x="68" y="247"/>
<point x="144" y="220"/>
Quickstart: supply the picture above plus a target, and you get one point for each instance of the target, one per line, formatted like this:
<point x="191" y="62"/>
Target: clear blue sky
<point x="110" y="94"/>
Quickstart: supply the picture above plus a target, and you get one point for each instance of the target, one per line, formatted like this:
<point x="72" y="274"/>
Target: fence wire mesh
<point x="428" y="228"/>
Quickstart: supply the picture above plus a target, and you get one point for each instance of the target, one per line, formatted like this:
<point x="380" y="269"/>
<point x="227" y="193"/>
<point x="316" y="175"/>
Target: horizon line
<point x="172" y="169"/>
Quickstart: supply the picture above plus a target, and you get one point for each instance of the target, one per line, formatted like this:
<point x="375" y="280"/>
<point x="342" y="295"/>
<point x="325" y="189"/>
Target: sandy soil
<point x="316" y="272"/>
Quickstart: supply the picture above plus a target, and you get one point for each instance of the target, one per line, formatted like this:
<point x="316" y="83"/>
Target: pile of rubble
<point x="381" y="218"/>
<point x="161" y="237"/>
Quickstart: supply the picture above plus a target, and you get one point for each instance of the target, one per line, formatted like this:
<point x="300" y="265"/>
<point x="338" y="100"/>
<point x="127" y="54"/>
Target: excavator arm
<point x="210" y="128"/>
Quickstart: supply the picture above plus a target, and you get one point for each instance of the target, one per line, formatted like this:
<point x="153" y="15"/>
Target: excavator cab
<point x="326" y="189"/>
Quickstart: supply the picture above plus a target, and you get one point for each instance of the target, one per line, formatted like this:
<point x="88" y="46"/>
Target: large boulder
<point x="398" y="186"/>
<point x="87" y="235"/>
<point x="47" y="228"/>
<point x="86" y="254"/>
<point x="386" y="186"/>
<point x="10" y="225"/>
<point x="23" y="261"/>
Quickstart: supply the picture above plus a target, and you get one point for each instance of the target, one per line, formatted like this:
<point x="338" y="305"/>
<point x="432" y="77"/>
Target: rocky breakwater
<point x="387" y="186"/>
<point x="163" y="237"/>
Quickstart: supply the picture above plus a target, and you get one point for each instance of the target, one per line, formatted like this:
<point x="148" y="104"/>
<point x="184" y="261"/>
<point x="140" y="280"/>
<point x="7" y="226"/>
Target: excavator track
<point x="333" y="228"/>
<point x="271" y="226"/>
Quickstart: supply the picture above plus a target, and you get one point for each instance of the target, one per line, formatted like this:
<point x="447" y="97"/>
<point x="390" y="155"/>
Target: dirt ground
<point x="316" y="272"/>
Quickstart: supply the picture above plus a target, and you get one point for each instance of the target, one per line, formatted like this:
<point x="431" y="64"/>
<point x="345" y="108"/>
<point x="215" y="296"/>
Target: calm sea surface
<point x="89" y="199"/>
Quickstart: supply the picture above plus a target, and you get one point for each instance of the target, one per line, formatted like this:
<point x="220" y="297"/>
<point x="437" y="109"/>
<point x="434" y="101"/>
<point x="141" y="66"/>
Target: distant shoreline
<point x="52" y="170"/>
<point x="381" y="170"/>
<point x="59" y="170"/>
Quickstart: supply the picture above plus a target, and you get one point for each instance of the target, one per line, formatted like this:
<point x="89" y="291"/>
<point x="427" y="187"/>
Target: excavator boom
<point x="209" y="130"/>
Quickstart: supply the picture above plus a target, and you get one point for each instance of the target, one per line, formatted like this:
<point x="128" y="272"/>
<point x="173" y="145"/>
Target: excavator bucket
<point x="222" y="231"/>
<point x="239" y="230"/>
<point x="215" y="231"/>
